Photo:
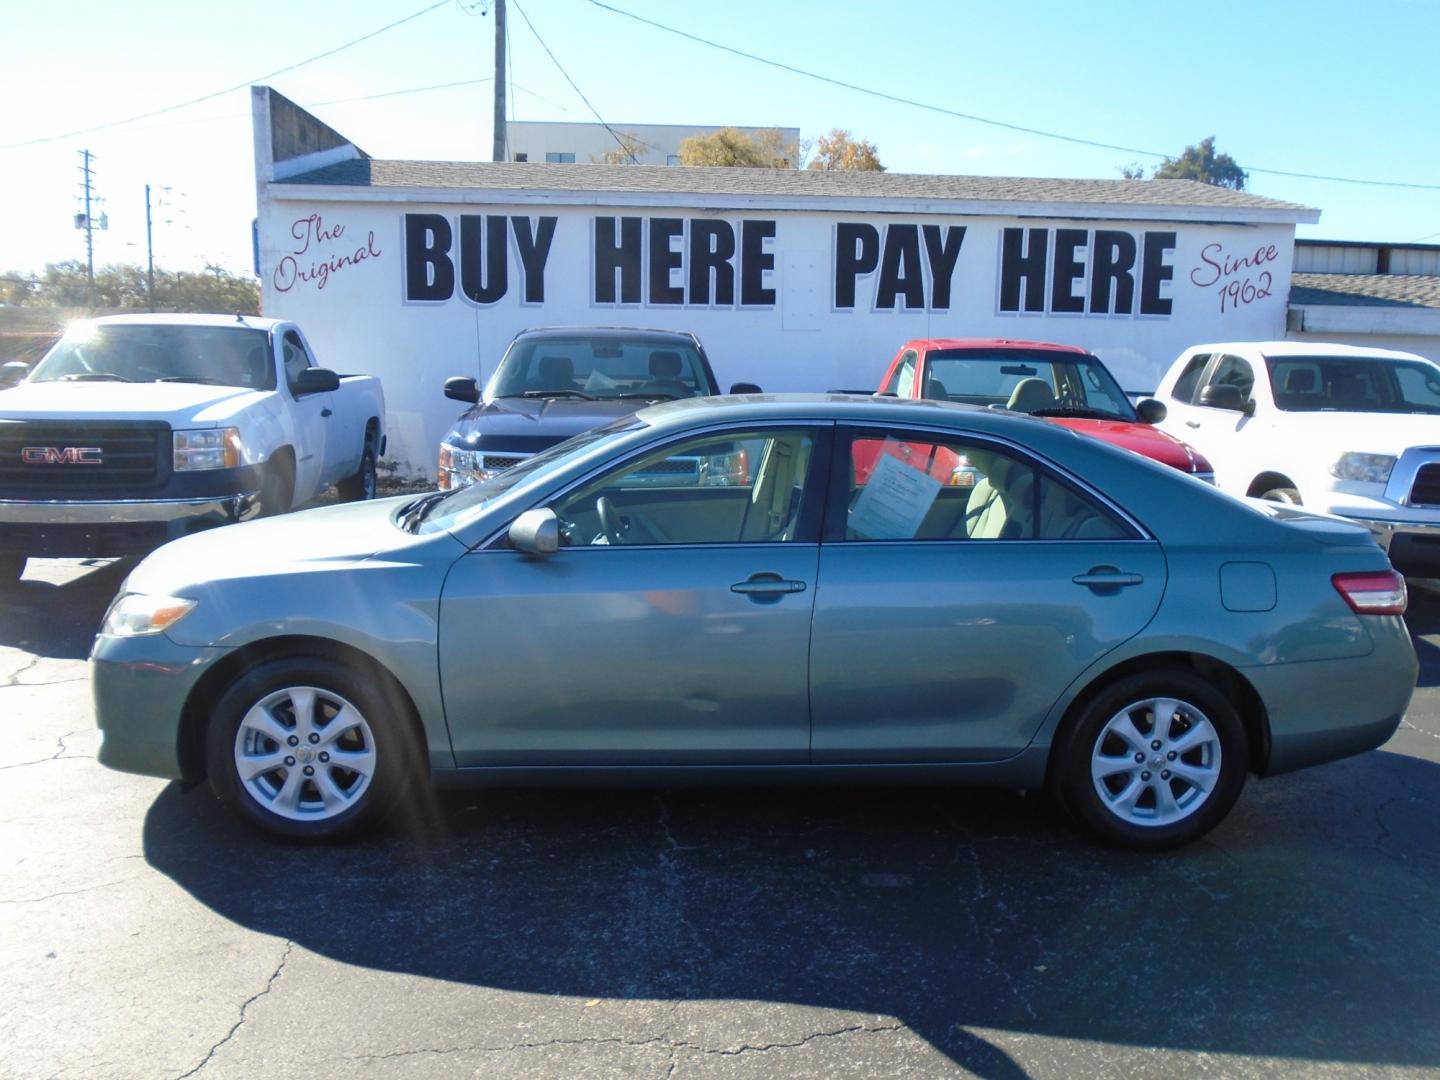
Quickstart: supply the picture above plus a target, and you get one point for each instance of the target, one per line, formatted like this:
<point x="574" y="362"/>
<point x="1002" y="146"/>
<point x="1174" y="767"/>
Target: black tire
<point x="1222" y="760"/>
<point x="353" y="800"/>
<point x="361" y="486"/>
<point x="277" y="487"/>
<point x="1287" y="495"/>
<point x="12" y="567"/>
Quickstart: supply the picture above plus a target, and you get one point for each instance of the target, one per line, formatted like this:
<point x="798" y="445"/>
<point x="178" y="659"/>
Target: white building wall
<point x="339" y="268"/>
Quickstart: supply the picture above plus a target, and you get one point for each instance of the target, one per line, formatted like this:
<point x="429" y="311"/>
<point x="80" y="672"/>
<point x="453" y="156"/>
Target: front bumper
<point x="84" y="527"/>
<point x="140" y="686"/>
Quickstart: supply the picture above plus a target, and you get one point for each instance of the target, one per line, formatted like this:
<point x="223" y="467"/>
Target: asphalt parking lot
<point x="808" y="932"/>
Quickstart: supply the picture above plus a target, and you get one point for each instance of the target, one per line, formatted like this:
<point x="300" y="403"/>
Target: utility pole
<point x="149" y="254"/>
<point x="85" y="158"/>
<point x="498" y="148"/>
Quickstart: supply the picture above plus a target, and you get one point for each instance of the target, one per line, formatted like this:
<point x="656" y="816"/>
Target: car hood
<point x="177" y="403"/>
<point x="535" y="423"/>
<point x="309" y="541"/>
<point x="1142" y="439"/>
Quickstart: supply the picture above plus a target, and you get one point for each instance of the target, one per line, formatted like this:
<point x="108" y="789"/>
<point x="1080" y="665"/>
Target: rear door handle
<point x="325" y="412"/>
<point x="767" y="585"/>
<point x="1107" y="577"/>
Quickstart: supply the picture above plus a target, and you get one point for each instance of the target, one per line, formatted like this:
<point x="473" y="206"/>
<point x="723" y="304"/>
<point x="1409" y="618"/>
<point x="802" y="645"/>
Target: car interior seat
<point x="1001" y="506"/>
<point x="774" y="504"/>
<point x="1031" y="395"/>
<point x="555" y="373"/>
<point x="665" y="368"/>
<point x="935" y="390"/>
<point x="1347" y="388"/>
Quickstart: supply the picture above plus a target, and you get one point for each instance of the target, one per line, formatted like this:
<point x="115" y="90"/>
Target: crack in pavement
<point x="59" y="755"/>
<point x="13" y="679"/>
<point x="47" y="682"/>
<point x="71" y="892"/>
<point x="244" y="1007"/>
<point x="672" y="1045"/>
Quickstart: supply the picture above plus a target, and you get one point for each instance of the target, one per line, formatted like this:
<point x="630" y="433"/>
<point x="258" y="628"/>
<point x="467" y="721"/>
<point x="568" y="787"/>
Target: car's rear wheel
<point x="11" y="568"/>
<point x="309" y="749"/>
<point x="362" y="485"/>
<point x="1155" y="760"/>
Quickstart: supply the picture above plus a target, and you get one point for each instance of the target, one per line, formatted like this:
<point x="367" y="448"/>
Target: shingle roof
<point x="782" y="183"/>
<point x="1366" y="290"/>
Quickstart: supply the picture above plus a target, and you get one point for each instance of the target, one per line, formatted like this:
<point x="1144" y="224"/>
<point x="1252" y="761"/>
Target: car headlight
<point x="136" y="614"/>
<point x="457" y="467"/>
<point x="211" y="448"/>
<point x="1372" y="468"/>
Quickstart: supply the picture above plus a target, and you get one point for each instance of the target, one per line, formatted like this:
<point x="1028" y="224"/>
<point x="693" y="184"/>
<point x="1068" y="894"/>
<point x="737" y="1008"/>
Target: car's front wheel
<point x="1155" y="760"/>
<point x="308" y="748"/>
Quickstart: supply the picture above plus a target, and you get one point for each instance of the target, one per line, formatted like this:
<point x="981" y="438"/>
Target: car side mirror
<point x="1227" y="397"/>
<point x="462" y="388"/>
<point x="536" y="532"/>
<point x="12" y="373"/>
<point x="315" y="380"/>
<point x="1151" y="411"/>
<point x="745" y="388"/>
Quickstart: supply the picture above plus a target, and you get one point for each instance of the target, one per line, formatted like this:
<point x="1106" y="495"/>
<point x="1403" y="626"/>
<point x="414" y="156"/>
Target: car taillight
<point x="1379" y="592"/>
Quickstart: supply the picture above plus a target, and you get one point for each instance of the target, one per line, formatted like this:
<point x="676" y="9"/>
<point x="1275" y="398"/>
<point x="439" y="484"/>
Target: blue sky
<point x="1321" y="87"/>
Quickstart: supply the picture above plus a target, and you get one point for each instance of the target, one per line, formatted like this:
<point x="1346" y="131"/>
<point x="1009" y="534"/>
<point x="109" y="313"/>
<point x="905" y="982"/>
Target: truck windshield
<point x="1038" y="382"/>
<point x="221" y="355"/>
<point x="1354" y="384"/>
<point x="600" y="368"/>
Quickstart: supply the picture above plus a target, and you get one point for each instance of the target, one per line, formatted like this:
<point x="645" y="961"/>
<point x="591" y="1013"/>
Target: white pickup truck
<point x="1343" y="430"/>
<point x="136" y="429"/>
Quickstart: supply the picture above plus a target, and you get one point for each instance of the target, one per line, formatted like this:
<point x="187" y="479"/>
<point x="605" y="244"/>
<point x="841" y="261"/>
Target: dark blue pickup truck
<point x="557" y="382"/>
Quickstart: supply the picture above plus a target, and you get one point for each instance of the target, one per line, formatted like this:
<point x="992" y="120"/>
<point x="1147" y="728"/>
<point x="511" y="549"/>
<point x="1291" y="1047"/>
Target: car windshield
<point x="1354" y="384"/>
<point x="448" y="507"/>
<point x="608" y="367"/>
<point x="221" y="355"/>
<point x="1038" y="382"/>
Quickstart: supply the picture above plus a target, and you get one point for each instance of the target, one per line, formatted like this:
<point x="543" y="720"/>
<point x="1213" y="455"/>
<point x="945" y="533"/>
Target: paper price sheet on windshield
<point x="895" y="501"/>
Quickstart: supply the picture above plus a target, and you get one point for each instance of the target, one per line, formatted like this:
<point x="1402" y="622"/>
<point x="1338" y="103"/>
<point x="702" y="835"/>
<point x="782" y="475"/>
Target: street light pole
<point x="149" y="253"/>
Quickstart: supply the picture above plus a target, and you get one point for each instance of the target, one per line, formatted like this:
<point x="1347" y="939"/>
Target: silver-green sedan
<point x="831" y="586"/>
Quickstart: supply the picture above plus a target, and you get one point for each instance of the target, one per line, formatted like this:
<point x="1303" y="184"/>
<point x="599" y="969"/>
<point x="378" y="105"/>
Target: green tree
<point x="732" y="147"/>
<point x="122" y="287"/>
<point x="837" y="150"/>
<point x="1201" y="162"/>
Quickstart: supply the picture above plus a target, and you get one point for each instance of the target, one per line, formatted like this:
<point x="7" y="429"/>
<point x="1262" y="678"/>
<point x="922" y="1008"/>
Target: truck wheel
<point x="361" y="486"/>
<point x="11" y="568"/>
<point x="277" y="488"/>
<point x="1153" y="761"/>
<point x="308" y="748"/>
<point x="1286" y="495"/>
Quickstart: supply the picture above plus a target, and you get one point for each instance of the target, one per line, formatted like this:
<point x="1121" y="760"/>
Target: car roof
<point x="1303" y="348"/>
<point x="254" y="322"/>
<point x="609" y="332"/>
<point x="935" y="344"/>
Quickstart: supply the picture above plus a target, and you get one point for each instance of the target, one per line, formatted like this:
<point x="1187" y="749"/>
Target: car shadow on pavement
<point x="1298" y="930"/>
<point x="55" y="610"/>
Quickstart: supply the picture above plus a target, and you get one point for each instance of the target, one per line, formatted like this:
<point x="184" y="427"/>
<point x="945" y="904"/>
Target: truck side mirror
<point x="462" y="388"/>
<point x="745" y="388"/>
<point x="1151" y="411"/>
<point x="315" y="380"/>
<point x="1224" y="396"/>
<point x="12" y="373"/>
<point x="536" y="532"/>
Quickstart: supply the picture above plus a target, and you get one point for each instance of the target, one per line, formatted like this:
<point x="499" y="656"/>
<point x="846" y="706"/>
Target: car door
<point x="312" y="413"/>
<point x="1228" y="436"/>
<point x="951" y="616"/>
<point x="672" y="626"/>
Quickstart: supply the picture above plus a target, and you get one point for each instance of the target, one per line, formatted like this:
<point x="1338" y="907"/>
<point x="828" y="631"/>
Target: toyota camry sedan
<point x="1066" y="616"/>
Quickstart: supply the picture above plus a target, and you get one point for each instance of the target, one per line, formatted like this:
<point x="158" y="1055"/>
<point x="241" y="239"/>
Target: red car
<point x="1061" y="383"/>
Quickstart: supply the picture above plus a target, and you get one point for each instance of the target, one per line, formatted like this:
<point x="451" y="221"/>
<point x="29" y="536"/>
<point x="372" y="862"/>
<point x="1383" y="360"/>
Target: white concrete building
<point x="416" y="270"/>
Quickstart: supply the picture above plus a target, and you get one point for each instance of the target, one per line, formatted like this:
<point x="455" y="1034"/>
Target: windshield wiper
<point x="557" y="393"/>
<point x="195" y="379"/>
<point x="649" y="395"/>
<point x="94" y="376"/>
<point x="411" y="514"/>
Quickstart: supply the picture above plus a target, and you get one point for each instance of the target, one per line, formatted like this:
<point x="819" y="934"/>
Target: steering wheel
<point x="609" y="520"/>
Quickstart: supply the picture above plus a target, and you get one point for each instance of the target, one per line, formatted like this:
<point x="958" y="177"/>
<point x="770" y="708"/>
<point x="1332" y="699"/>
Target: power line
<point x="979" y="119"/>
<point x="237" y="86"/>
<point x="618" y="141"/>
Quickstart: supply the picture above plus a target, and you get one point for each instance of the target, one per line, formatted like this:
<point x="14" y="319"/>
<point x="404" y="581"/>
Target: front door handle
<point x="325" y="411"/>
<point x="767" y="586"/>
<point x="1107" y="577"/>
<point x="1192" y="423"/>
